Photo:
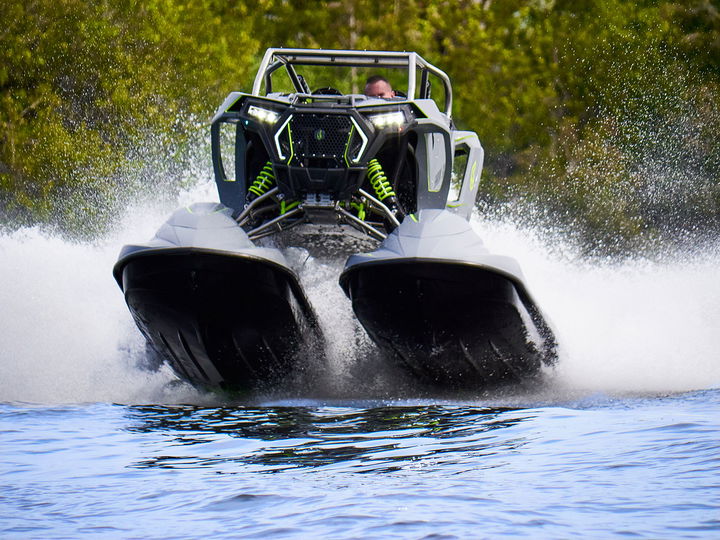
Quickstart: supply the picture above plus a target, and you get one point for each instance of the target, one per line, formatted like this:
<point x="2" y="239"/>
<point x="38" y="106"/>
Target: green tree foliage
<point x="602" y="114"/>
<point x="82" y="83"/>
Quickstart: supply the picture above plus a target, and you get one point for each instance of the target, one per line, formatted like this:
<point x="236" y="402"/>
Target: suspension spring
<point x="264" y="181"/>
<point x="379" y="182"/>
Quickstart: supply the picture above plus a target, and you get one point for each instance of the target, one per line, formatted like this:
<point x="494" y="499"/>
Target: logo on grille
<point x="319" y="134"/>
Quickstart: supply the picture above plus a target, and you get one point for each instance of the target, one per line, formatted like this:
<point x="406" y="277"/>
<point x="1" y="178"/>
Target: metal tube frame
<point x="318" y="57"/>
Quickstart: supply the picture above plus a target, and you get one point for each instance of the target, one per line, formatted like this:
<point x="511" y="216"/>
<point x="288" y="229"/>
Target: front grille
<point x="320" y="135"/>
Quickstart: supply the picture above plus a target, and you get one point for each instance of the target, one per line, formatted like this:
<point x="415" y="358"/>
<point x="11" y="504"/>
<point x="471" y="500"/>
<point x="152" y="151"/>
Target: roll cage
<point x="321" y="155"/>
<point x="413" y="63"/>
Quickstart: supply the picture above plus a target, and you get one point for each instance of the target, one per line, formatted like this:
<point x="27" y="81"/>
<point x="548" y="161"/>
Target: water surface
<point x="637" y="466"/>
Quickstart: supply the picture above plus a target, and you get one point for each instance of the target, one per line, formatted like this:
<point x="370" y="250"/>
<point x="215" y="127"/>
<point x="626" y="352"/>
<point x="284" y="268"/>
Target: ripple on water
<point x="633" y="466"/>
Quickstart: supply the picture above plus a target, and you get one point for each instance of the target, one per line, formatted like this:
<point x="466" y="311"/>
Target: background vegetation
<point x="597" y="117"/>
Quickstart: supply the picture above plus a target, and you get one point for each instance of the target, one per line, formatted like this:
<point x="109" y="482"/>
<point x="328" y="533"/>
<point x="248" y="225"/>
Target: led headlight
<point x="392" y="119"/>
<point x="264" y="115"/>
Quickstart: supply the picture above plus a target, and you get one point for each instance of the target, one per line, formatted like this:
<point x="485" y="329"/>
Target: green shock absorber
<point x="379" y="181"/>
<point x="264" y="181"/>
<point x="382" y="187"/>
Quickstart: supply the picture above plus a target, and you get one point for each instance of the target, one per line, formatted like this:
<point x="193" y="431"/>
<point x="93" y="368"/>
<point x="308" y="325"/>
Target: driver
<point x="378" y="86"/>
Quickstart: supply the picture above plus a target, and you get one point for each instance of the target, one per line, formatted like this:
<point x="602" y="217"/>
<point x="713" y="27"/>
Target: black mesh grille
<point x="320" y="135"/>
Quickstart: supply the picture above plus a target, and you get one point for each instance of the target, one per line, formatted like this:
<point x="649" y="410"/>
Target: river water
<point x="622" y="440"/>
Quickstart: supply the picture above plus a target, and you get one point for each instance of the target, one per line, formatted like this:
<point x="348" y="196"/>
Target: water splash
<point x="66" y="335"/>
<point x="623" y="326"/>
<point x="632" y="326"/>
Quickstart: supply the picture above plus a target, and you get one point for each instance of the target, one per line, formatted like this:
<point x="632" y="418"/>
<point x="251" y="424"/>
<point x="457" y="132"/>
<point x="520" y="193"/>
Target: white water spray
<point x="633" y="326"/>
<point x="66" y="335"/>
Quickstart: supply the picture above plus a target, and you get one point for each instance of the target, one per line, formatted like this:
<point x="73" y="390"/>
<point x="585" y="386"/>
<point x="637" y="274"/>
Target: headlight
<point x="264" y="115"/>
<point x="393" y="119"/>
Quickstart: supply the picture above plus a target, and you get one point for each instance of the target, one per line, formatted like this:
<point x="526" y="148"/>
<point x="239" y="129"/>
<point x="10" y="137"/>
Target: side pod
<point x="224" y="313"/>
<point x="435" y="299"/>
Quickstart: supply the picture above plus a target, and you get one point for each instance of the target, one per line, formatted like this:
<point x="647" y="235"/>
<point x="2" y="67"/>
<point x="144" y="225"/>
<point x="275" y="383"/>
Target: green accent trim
<point x="473" y="178"/>
<point x="229" y="179"/>
<point x="292" y="147"/>
<point x="287" y="206"/>
<point x="463" y="138"/>
<point x="414" y="218"/>
<point x="360" y="209"/>
<point x="347" y="145"/>
<point x="233" y="103"/>
<point x="454" y="204"/>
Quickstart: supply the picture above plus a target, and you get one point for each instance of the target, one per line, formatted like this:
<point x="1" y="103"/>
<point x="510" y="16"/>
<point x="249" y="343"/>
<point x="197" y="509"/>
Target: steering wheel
<point x="327" y="91"/>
